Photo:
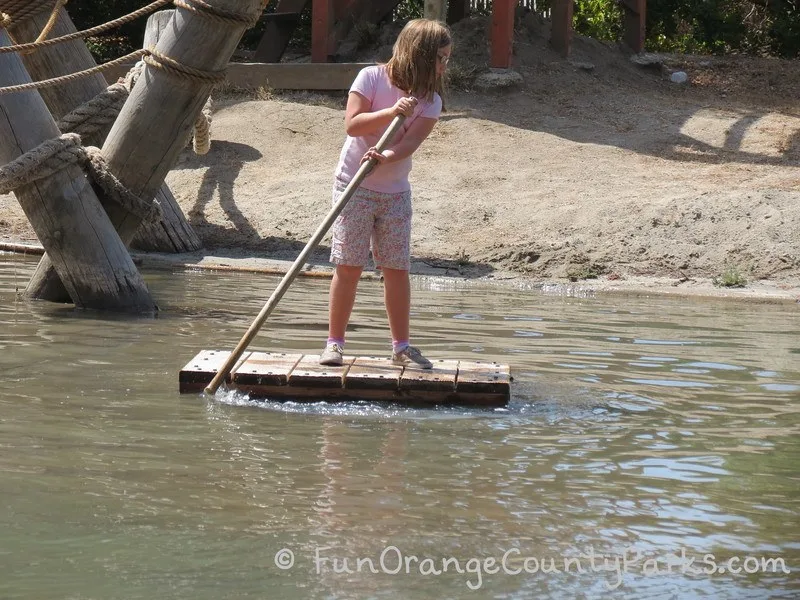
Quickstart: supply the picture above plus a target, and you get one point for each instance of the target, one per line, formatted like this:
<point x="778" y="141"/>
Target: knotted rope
<point x="19" y="10"/>
<point x="56" y="154"/>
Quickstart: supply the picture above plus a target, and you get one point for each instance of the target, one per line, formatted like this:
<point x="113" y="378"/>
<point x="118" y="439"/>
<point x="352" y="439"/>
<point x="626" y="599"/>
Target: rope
<point x="201" y="8"/>
<point x="72" y="76"/>
<point x="96" y="115"/>
<point x="19" y="10"/>
<point x="51" y="22"/>
<point x="87" y="32"/>
<point x="160" y="61"/>
<point x="52" y="156"/>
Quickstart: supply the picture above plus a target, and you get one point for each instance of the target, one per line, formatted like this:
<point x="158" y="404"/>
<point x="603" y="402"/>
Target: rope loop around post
<point x="160" y="61"/>
<point x="54" y="155"/>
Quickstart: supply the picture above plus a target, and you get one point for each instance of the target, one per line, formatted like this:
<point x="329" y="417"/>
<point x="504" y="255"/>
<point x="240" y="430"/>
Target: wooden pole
<point x="435" y="9"/>
<point x="502" y="33"/>
<point x="153" y="126"/>
<point x="634" y="31"/>
<point x="63" y="209"/>
<point x="291" y="274"/>
<point x="561" y="26"/>
<point x="321" y="30"/>
<point x="172" y="233"/>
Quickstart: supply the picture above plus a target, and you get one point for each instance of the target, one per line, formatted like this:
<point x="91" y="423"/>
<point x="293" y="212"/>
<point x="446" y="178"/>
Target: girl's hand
<point x="405" y="106"/>
<point x="379" y="158"/>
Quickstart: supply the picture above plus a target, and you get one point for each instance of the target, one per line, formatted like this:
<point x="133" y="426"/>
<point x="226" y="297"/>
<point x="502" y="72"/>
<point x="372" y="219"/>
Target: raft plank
<point x="373" y="373"/>
<point x="310" y="374"/>
<point x="199" y="371"/>
<point x="440" y="379"/>
<point x="265" y="369"/>
<point x="483" y="377"/>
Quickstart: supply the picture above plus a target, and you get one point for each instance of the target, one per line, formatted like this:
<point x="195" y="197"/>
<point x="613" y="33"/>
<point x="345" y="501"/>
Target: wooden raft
<point x="300" y="377"/>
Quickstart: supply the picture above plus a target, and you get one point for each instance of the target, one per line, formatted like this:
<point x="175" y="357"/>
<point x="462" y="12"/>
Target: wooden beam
<point x="502" y="33"/>
<point x="561" y="26"/>
<point x="283" y="76"/>
<point x="634" y="24"/>
<point x="321" y="29"/>
<point x="278" y="30"/>
<point x="457" y="10"/>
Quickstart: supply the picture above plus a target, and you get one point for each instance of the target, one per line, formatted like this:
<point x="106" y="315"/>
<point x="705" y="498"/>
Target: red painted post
<point x="634" y="34"/>
<point x="502" y="32"/>
<point x="561" y="26"/>
<point x="321" y="29"/>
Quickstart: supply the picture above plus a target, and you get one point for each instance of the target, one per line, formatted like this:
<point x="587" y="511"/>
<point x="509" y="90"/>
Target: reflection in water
<point x="637" y="428"/>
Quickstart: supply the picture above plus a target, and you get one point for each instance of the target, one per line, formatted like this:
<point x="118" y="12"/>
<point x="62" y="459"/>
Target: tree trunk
<point x="170" y="234"/>
<point x="86" y="253"/>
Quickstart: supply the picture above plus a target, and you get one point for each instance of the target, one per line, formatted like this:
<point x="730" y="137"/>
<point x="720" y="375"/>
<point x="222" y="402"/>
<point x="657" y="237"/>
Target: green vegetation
<point x="730" y="278"/>
<point x="760" y="27"/>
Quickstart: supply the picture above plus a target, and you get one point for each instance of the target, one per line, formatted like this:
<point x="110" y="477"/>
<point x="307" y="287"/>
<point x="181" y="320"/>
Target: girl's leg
<point x="342" y="297"/>
<point x="397" y="297"/>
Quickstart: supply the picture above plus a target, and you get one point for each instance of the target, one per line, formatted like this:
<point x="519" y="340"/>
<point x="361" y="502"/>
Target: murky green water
<point x="640" y="428"/>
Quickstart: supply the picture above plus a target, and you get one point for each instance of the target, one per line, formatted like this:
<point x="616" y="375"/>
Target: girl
<point x="380" y="210"/>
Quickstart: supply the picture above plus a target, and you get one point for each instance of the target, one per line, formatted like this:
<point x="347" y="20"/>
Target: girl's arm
<point x="416" y="134"/>
<point x="359" y="121"/>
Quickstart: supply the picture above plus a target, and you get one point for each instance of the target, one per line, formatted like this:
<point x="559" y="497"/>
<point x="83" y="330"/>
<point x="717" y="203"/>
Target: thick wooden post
<point x="634" y="32"/>
<point x="502" y="33"/>
<point x="172" y="233"/>
<point x="435" y="9"/>
<point x="561" y="26"/>
<point x="153" y="126"/>
<point x="321" y="30"/>
<point x="86" y="252"/>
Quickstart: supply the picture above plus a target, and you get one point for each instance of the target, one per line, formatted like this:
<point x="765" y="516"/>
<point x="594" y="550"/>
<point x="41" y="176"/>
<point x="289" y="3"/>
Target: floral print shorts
<point x="377" y="218"/>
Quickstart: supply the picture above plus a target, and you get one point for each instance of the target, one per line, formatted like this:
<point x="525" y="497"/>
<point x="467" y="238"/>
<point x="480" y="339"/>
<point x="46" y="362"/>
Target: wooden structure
<point x="333" y="19"/>
<point x="84" y="252"/>
<point x="300" y="377"/>
<point x="171" y="233"/>
<point x="156" y="120"/>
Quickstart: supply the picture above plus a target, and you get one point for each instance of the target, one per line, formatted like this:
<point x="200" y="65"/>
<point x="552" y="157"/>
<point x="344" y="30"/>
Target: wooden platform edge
<point x="278" y="76"/>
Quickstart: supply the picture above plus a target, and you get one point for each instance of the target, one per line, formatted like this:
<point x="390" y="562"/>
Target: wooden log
<point x="435" y="9"/>
<point x="172" y="233"/>
<point x="153" y="126"/>
<point x="278" y="30"/>
<point x="502" y="33"/>
<point x="63" y="209"/>
<point x="561" y="26"/>
<point x="634" y="24"/>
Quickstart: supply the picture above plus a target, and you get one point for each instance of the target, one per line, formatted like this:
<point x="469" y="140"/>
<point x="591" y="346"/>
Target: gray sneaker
<point x="411" y="357"/>
<point x="331" y="356"/>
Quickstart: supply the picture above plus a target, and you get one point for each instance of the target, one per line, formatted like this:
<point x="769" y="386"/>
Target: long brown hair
<point x="412" y="67"/>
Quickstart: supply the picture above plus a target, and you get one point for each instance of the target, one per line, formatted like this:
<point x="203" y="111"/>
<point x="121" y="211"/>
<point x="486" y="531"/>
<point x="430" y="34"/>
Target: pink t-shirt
<point x="373" y="83"/>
